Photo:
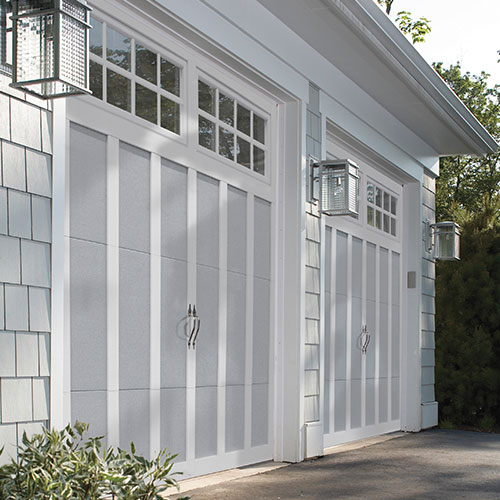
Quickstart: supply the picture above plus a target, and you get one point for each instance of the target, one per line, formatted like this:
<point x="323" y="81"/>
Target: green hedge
<point x="468" y="330"/>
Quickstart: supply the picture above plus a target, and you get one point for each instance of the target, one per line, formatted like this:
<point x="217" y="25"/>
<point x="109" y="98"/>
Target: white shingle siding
<point x="427" y="335"/>
<point x="26" y="126"/>
<point x="25" y="275"/>
<point x="14" y="166"/>
<point x="312" y="272"/>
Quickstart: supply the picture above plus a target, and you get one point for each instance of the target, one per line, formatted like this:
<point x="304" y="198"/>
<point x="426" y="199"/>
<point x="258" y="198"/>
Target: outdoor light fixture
<point x="443" y="239"/>
<point x="338" y="183"/>
<point x="50" y="47"/>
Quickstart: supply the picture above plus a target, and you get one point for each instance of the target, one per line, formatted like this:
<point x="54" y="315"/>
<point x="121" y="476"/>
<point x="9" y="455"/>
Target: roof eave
<point x="385" y="38"/>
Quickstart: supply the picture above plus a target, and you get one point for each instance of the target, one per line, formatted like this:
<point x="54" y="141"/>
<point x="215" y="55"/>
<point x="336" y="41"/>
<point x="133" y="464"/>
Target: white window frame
<point x="238" y="99"/>
<point x="136" y="37"/>
<point x="382" y="186"/>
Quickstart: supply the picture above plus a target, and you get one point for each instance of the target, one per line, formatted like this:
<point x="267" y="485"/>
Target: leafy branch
<point x="417" y="29"/>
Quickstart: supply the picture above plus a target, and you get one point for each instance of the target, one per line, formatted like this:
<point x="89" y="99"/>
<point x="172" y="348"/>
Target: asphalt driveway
<point x="435" y="464"/>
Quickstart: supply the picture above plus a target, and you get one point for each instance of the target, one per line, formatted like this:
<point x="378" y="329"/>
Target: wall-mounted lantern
<point x="335" y="185"/>
<point x="443" y="239"/>
<point x="339" y="187"/>
<point x="50" y="47"/>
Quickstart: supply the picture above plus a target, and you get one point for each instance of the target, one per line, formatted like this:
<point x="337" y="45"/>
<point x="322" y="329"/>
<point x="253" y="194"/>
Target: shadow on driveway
<point x="435" y="464"/>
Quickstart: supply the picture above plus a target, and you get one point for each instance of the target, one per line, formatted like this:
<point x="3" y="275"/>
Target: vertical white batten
<point x="249" y="320"/>
<point x="113" y="289"/>
<point x="333" y="302"/>
<point x="322" y="333"/>
<point x="155" y="308"/>
<point x="377" y="334"/>
<point x="221" y="375"/>
<point x="389" y="336"/>
<point x="349" y="344"/>
<point x="67" y="283"/>
<point x="59" y="342"/>
<point x="191" y="299"/>
<point x="363" y="322"/>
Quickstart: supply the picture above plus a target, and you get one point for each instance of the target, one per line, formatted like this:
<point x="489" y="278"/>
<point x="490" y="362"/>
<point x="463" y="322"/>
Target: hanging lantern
<point x="50" y="47"/>
<point x="446" y="241"/>
<point x="339" y="181"/>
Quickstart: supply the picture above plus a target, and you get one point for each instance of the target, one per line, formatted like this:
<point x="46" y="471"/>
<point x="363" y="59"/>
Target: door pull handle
<point x="195" y="321"/>
<point x="365" y="339"/>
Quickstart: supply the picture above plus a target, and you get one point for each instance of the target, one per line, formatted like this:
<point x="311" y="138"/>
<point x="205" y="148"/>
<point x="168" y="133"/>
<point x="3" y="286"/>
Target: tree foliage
<point x="466" y="183"/>
<point x="468" y="292"/>
<point x="416" y="29"/>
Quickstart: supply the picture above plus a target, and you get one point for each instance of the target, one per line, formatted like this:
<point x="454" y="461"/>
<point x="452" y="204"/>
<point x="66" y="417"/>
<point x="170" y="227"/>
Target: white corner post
<point x="289" y="412"/>
<point x="59" y="406"/>
<point x="412" y="278"/>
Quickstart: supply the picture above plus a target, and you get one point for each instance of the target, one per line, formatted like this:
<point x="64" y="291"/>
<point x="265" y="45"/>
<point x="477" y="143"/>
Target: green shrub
<point x="64" y="465"/>
<point x="468" y="330"/>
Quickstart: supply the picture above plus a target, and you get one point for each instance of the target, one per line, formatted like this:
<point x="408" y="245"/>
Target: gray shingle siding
<point x="25" y="274"/>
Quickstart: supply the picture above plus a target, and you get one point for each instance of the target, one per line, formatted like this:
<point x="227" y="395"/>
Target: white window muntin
<point x="255" y="109"/>
<point x="193" y="64"/>
<point x="161" y="52"/>
<point x="390" y="216"/>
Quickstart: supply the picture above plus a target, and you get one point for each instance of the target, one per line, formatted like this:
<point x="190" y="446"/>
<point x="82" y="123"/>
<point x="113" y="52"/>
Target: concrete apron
<point x="216" y="478"/>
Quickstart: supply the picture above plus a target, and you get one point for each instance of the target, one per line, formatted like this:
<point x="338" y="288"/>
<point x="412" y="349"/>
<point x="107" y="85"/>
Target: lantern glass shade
<point x="339" y="183"/>
<point x="446" y="241"/>
<point x="50" y="47"/>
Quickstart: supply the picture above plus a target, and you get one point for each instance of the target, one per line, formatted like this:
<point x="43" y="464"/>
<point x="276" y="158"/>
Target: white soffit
<point x="362" y="42"/>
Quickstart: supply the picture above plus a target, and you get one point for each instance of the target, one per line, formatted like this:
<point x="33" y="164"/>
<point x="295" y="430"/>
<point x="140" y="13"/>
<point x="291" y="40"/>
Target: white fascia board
<point x="260" y="39"/>
<point x="389" y="41"/>
<point x="200" y="15"/>
<point x="372" y="138"/>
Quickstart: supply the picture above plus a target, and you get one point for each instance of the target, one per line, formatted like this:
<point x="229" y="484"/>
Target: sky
<point x="462" y="30"/>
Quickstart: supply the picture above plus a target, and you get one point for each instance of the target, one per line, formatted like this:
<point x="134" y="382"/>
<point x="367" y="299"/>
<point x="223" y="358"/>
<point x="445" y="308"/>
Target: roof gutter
<point x="368" y="20"/>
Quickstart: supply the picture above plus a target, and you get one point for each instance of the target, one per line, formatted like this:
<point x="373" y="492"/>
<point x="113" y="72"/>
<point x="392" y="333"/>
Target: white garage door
<point x="170" y="208"/>
<point x="363" y="316"/>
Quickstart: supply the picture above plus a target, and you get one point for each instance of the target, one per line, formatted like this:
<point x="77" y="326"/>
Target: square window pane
<point x="370" y="193"/>
<point x="378" y="197"/>
<point x="206" y="97"/>
<point x="118" y="90"/>
<point x="259" y="160"/>
<point x="96" y="37"/>
<point x="369" y="216"/>
<point x="243" y="119"/>
<point x="118" y="49"/>
<point x="146" y="64"/>
<point x="243" y="152"/>
<point x="170" y="115"/>
<point x="259" y="128"/>
<point x="226" y="109"/>
<point x="170" y="76"/>
<point x="393" y="226"/>
<point x="226" y="143"/>
<point x="96" y="79"/>
<point x="394" y="203"/>
<point x="378" y="219"/>
<point x="387" y="223"/>
<point x="146" y="104"/>
<point x="206" y="133"/>
<point x="387" y="201"/>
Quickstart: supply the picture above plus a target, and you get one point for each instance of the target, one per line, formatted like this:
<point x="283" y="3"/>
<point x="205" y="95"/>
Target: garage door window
<point x="231" y="128"/>
<point x="127" y="74"/>
<point x="381" y="208"/>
